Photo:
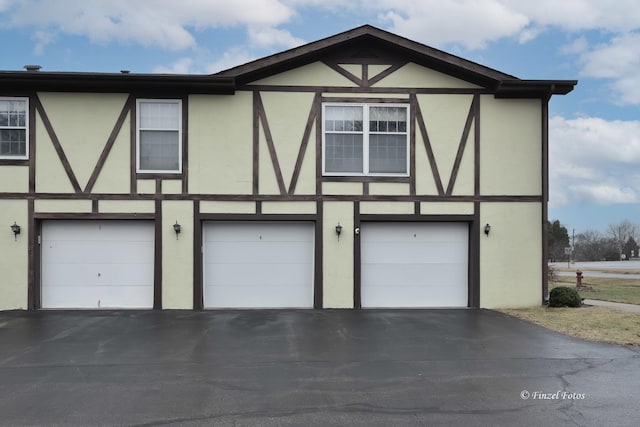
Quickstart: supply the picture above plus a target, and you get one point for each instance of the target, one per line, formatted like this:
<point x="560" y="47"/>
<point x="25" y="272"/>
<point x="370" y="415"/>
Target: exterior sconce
<point x="487" y="229"/>
<point x="177" y="228"/>
<point x="338" y="230"/>
<point x="16" y="230"/>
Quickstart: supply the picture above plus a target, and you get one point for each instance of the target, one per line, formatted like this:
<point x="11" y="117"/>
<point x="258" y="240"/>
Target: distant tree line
<point x="617" y="243"/>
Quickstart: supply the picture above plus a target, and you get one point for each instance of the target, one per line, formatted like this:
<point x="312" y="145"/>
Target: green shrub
<point x="563" y="296"/>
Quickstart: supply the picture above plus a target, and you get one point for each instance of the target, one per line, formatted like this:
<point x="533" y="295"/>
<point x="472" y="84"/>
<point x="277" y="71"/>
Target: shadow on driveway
<point x="462" y="367"/>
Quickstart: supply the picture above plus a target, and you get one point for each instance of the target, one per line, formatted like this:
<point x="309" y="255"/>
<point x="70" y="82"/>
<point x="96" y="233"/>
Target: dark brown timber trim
<point x="476" y="148"/>
<point x="133" y="137"/>
<point x="366" y="100"/>
<point x="109" y="145"/>
<point x="32" y="258"/>
<point x="363" y="90"/>
<point x="185" y="145"/>
<point x="357" y="258"/>
<point x="198" y="282"/>
<point x="474" y="258"/>
<point x="273" y="197"/>
<point x="347" y="74"/>
<point x="57" y="145"/>
<point x="462" y="146"/>
<point x="319" y="152"/>
<point x="32" y="144"/>
<point x="412" y="143"/>
<point x="318" y="285"/>
<point x="375" y="79"/>
<point x="427" y="145"/>
<point x="262" y="115"/>
<point x="66" y="215"/>
<point x="158" y="186"/>
<point x="256" y="144"/>
<point x="94" y="206"/>
<point x="157" y="262"/>
<point x="315" y="107"/>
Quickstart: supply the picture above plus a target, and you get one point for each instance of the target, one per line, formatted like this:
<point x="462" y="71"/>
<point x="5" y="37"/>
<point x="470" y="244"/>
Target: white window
<point x="365" y="139"/>
<point x="159" y="142"/>
<point x="14" y="128"/>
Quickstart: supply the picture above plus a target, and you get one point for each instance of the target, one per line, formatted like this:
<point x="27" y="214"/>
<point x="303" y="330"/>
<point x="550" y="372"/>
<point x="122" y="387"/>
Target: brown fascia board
<point x="414" y="51"/>
<point x="534" y="88"/>
<point x="25" y="81"/>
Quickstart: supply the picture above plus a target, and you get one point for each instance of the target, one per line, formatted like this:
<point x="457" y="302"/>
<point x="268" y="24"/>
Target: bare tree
<point x="620" y="234"/>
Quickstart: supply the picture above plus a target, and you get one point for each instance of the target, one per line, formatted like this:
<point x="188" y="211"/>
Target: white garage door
<point x="258" y="265"/>
<point x="414" y="264"/>
<point x="97" y="264"/>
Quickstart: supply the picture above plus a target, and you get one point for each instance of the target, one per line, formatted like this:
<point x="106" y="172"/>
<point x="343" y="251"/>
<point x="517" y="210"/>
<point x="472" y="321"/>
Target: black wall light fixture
<point x="338" y="230"/>
<point x="487" y="229"/>
<point x="177" y="228"/>
<point x="16" y="230"/>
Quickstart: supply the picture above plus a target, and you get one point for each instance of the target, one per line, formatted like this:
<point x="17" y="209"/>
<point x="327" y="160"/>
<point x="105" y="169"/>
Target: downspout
<point x="545" y="193"/>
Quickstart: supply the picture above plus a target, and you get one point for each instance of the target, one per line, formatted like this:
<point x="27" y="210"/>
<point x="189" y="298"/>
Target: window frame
<point x="139" y="131"/>
<point x="26" y="127"/>
<point x="366" y="132"/>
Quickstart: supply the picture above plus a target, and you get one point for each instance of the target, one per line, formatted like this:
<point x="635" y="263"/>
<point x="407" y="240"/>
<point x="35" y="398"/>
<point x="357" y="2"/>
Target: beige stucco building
<point x="362" y="170"/>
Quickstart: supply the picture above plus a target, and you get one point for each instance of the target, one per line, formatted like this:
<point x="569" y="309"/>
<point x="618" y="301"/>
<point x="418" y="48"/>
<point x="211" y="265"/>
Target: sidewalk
<point x="633" y="308"/>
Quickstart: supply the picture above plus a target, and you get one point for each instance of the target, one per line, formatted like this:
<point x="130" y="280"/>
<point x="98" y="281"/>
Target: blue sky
<point x="594" y="131"/>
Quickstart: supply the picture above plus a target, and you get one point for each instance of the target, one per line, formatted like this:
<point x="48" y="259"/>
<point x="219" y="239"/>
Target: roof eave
<point x="110" y="82"/>
<point x="534" y="88"/>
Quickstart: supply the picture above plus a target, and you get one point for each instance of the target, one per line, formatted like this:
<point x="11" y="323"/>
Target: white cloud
<point x="619" y="61"/>
<point x="469" y="23"/>
<point x="181" y="66"/>
<point x="161" y="23"/>
<point x="268" y="36"/>
<point x="593" y="160"/>
<point x="231" y="58"/>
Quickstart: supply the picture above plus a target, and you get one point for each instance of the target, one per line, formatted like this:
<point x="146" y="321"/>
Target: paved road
<point x="312" y="368"/>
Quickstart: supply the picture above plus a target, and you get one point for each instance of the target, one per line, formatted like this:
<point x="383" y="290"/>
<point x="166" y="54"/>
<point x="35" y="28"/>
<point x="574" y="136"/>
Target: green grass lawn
<point x="606" y="289"/>
<point x="590" y="323"/>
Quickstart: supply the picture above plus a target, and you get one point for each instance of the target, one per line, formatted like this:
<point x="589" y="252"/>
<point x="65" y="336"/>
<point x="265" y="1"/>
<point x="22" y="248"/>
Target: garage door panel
<point x="256" y="274"/>
<point x="415" y="252"/>
<point x="109" y="252"/>
<point x="260" y="252"/>
<point x="97" y="264"/>
<point x="414" y="265"/>
<point x="259" y="296"/>
<point x="96" y="275"/>
<point x="258" y="265"/>
<point x="99" y="296"/>
<point x="392" y="275"/>
<point x="378" y="296"/>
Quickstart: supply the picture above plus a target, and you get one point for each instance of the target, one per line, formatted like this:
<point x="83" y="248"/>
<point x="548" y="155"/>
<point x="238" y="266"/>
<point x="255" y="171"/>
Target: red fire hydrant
<point x="578" y="279"/>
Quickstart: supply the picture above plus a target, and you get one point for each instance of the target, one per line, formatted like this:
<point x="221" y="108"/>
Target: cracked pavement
<point x="463" y="367"/>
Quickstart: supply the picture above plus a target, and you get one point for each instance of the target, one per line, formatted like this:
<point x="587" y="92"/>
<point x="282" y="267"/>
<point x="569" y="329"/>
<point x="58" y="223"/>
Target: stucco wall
<point x="177" y="255"/>
<point x="511" y="146"/>
<point x="13" y="262"/>
<point x="511" y="255"/>
<point x="221" y="144"/>
<point x="337" y="255"/>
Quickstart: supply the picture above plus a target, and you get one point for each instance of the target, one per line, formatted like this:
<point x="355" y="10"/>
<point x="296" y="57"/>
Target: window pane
<point x="343" y="153"/>
<point x="387" y="153"/>
<point x="159" y="115"/>
<point x="343" y="118"/>
<point x="13" y="142"/>
<point x="388" y="119"/>
<point x="159" y="150"/>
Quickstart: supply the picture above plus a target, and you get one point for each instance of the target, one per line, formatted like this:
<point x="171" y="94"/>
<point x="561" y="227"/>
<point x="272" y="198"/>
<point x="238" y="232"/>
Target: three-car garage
<point x="94" y="264"/>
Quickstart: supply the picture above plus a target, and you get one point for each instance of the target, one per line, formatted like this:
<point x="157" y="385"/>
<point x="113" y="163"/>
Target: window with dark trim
<point x="365" y="139"/>
<point x="14" y="128"/>
<point x="159" y="136"/>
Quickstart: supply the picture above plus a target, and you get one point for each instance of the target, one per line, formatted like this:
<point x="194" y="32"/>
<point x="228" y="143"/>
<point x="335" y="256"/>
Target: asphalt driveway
<point x="307" y="368"/>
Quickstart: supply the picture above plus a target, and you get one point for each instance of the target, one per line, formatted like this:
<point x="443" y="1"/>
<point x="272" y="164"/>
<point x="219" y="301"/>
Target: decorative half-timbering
<point x="362" y="170"/>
